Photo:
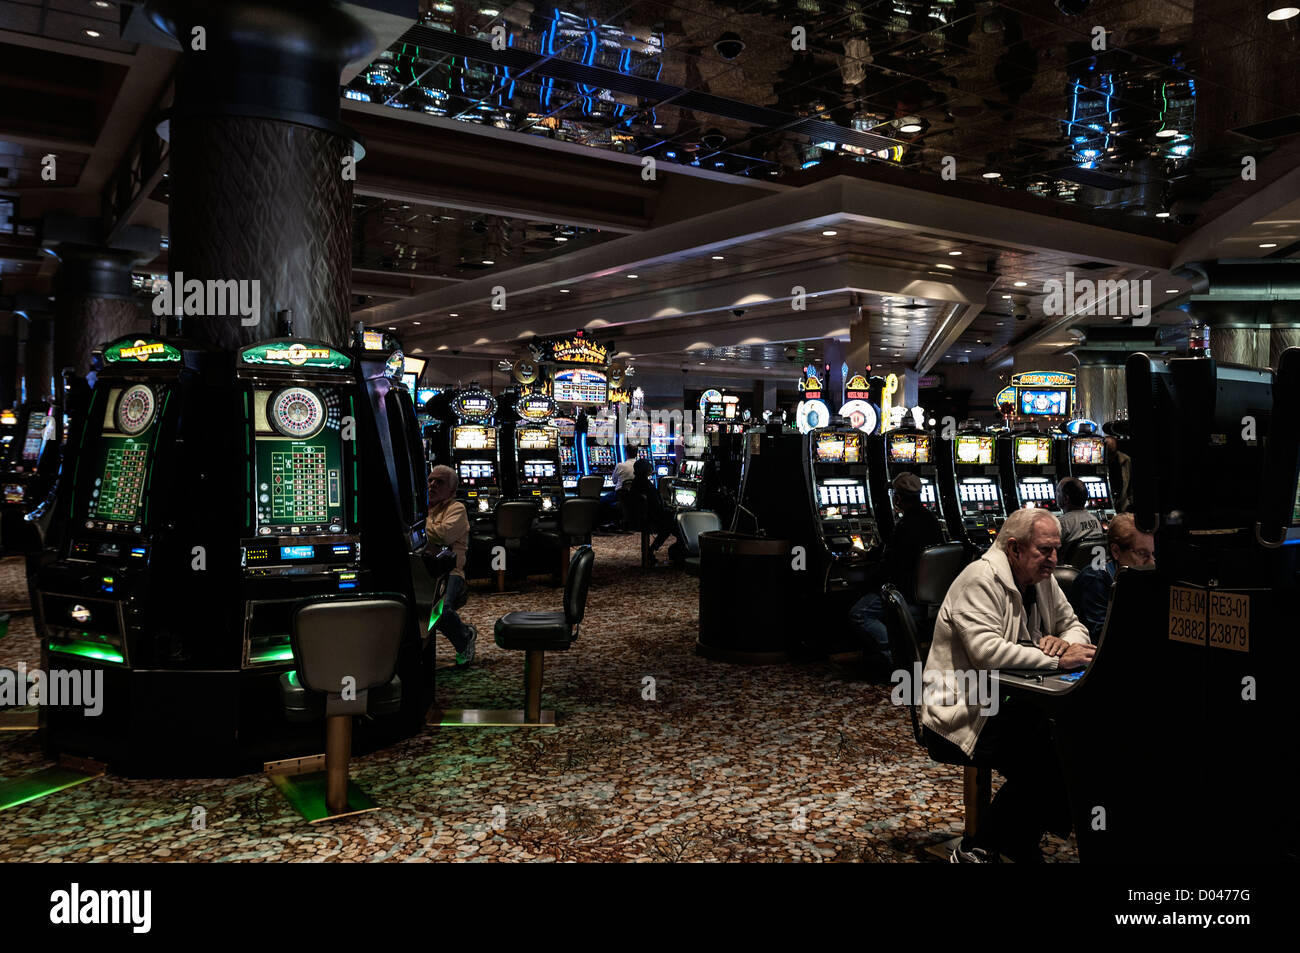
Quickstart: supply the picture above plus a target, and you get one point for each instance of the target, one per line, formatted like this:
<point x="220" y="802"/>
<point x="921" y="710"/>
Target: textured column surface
<point x="1235" y="344"/>
<point x="264" y="200"/>
<point x="8" y="359"/>
<point x="1281" y="338"/>
<point x="87" y="323"/>
<point x="1100" y="393"/>
<point x="38" y="366"/>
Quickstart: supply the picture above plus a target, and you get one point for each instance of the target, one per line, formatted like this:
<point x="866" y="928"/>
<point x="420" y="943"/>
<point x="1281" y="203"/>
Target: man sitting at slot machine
<point x="916" y="530"/>
<point x="1128" y="547"/>
<point x="447" y="524"/>
<point x="1005" y="611"/>
<point x="644" y="497"/>
<point x="1077" y="521"/>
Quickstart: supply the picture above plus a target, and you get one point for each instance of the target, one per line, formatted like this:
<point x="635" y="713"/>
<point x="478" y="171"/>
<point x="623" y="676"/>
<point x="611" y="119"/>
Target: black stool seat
<point x="549" y="631"/>
<point x="301" y="705"/>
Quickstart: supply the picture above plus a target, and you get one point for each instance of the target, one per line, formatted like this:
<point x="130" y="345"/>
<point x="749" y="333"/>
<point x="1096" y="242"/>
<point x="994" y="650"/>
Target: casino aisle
<point x="728" y="763"/>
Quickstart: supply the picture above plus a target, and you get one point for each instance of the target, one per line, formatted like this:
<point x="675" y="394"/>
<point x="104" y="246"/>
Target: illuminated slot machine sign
<point x="474" y="405"/>
<point x="840" y="497"/>
<point x="1039" y="394"/>
<point x="467" y="440"/>
<point x="580" y="385"/>
<point x="909" y="448"/>
<point x="837" y="446"/>
<point x="1034" y="451"/>
<point x="537" y="438"/>
<point x="976" y="494"/>
<point x="1087" y="451"/>
<point x="536" y="408"/>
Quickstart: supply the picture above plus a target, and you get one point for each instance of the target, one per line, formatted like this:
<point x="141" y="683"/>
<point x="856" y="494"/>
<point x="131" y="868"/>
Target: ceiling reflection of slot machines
<point x="977" y="485"/>
<point x="1088" y="463"/>
<point x="569" y="471"/>
<point x="536" y="472"/>
<point x="837" y="466"/>
<point x="1029" y="469"/>
<point x="904" y="450"/>
<point x="472" y="451"/>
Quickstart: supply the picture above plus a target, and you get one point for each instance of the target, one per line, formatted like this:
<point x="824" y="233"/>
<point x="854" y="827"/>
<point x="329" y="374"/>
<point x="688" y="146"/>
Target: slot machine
<point x="688" y="487"/>
<point x="472" y="452"/>
<point x="1028" y="461"/>
<point x="662" y="452"/>
<point x="1088" y="463"/>
<point x="569" y="471"/>
<point x="904" y="450"/>
<point x="131" y="590"/>
<point x="536" y="467"/>
<point x="837" y="476"/>
<point x="27" y="472"/>
<point x="976" y="486"/>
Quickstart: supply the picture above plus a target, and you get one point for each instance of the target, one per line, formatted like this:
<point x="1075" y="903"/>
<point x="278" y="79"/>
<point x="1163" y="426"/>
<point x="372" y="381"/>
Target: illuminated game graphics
<point x="135" y="409"/>
<point x="292" y="488"/>
<point x="860" y="415"/>
<point x="297" y="412"/>
<point x="118" y="489"/>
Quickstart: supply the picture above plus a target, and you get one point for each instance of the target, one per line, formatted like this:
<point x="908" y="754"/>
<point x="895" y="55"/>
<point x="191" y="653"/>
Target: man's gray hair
<point x="443" y="470"/>
<point x="1020" y="525"/>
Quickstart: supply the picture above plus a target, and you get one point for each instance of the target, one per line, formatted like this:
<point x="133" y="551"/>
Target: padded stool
<point x="535" y="634"/>
<point x="591" y="486"/>
<point x="513" y="521"/>
<point x="346" y="651"/>
<point x="576" y="520"/>
<point x="692" y="524"/>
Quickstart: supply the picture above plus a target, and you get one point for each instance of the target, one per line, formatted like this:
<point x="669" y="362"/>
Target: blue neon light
<point x="297" y="552"/>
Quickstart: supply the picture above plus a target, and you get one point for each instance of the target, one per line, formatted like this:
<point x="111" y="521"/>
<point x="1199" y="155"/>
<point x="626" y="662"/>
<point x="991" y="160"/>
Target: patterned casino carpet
<point x="727" y="763"/>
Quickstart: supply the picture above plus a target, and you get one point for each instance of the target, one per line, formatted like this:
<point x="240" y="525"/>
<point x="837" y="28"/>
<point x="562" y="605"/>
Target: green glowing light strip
<point x="91" y="650"/>
<point x="435" y="615"/>
<point x="282" y="654"/>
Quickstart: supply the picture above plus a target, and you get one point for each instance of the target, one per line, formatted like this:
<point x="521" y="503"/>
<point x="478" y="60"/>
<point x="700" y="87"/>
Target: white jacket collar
<point x="997" y="558"/>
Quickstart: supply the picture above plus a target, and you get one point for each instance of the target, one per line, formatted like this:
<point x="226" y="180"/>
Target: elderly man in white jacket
<point x="1005" y="611"/>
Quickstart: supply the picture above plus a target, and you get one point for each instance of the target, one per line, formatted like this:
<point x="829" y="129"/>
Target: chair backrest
<point x="575" y="589"/>
<point x="636" y="509"/>
<point x="694" y="522"/>
<point x="578" y="516"/>
<point x="903" y="648"/>
<point x="589" y="487"/>
<point x="1065" y="576"/>
<point x="334" y="638"/>
<point x="936" y="570"/>
<point x="1082" y="552"/>
<point x="666" y="489"/>
<point x="515" y="518"/>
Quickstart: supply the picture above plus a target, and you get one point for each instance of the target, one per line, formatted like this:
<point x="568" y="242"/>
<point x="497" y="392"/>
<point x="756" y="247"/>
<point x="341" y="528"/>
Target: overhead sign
<point x="144" y="350"/>
<point x="575" y="350"/>
<point x="295" y="354"/>
<point x="536" y="407"/>
<point x="1042" y="379"/>
<point x="474" y="404"/>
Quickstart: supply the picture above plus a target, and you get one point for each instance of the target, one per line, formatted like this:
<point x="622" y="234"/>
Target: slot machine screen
<point x="1036" y="451"/>
<point x="909" y="448"/>
<point x="837" y="447"/>
<point x="35" y="438"/>
<point x="537" y="438"/>
<point x="928" y="496"/>
<point x="975" y="449"/>
<point x="474" y="437"/>
<point x="539" y="470"/>
<point x="1087" y="450"/>
<point x="599" y="456"/>
<point x="564" y="425"/>
<point x="567" y="457"/>
<point x="684" y="496"/>
<point x="298" y="459"/>
<point x="1044" y="403"/>
<point x="121" y="470"/>
<point x="978" y="496"/>
<point x="475" y="472"/>
<point x="579" y="386"/>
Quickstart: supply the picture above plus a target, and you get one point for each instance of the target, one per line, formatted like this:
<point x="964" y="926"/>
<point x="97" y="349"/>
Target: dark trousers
<point x="1017" y="743"/>
<point x="450" y="624"/>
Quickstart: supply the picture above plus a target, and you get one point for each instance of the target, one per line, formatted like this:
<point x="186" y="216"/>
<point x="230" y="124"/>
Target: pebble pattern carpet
<point x="724" y="763"/>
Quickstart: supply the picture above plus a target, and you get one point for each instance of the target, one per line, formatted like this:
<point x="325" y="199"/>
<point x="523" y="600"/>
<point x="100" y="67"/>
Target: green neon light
<point x="143" y="351"/>
<point x="282" y="653"/>
<point x="434" y="616"/>
<point x="292" y="353"/>
<point x="90" y="650"/>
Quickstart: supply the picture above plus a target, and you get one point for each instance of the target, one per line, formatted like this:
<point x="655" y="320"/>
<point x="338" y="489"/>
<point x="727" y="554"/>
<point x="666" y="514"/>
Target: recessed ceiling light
<point x="1268" y="244"/>
<point x="954" y="253"/>
<point x="1006" y="297"/>
<point x="1166" y="133"/>
<point x="392" y="329"/>
<point x="718" y="257"/>
<point x="659" y="125"/>
<point x="93" y="34"/>
<point x="1000" y="323"/>
<point x="560" y="238"/>
<point x="415" y="322"/>
<point x="992" y="175"/>
<point x="1172" y="291"/>
<point x="488" y="261"/>
<point x="1162" y="214"/>
<point x="454" y="315"/>
<point x="102" y="4"/>
<point x="1283" y="13"/>
<point x="701" y="363"/>
<point x="830" y="232"/>
<point x="564" y="291"/>
<point x="946" y="266"/>
<point x="634" y="276"/>
<point x="1021" y="284"/>
<point x="910" y="127"/>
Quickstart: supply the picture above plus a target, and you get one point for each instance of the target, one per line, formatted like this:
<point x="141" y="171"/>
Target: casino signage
<point x="1038" y="394"/>
<point x="142" y="350"/>
<point x="574" y="350"/>
<point x="474" y="404"/>
<point x="536" y="407"/>
<point x="295" y="354"/>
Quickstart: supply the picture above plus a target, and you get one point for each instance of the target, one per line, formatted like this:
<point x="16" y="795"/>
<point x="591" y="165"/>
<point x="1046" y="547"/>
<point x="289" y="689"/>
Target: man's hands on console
<point x="1070" y="655"/>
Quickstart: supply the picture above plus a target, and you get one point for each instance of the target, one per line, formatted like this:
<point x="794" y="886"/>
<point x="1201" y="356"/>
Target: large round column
<point x="1100" y="392"/>
<point x="258" y="191"/>
<point x="38" y="356"/>
<point x="94" y="302"/>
